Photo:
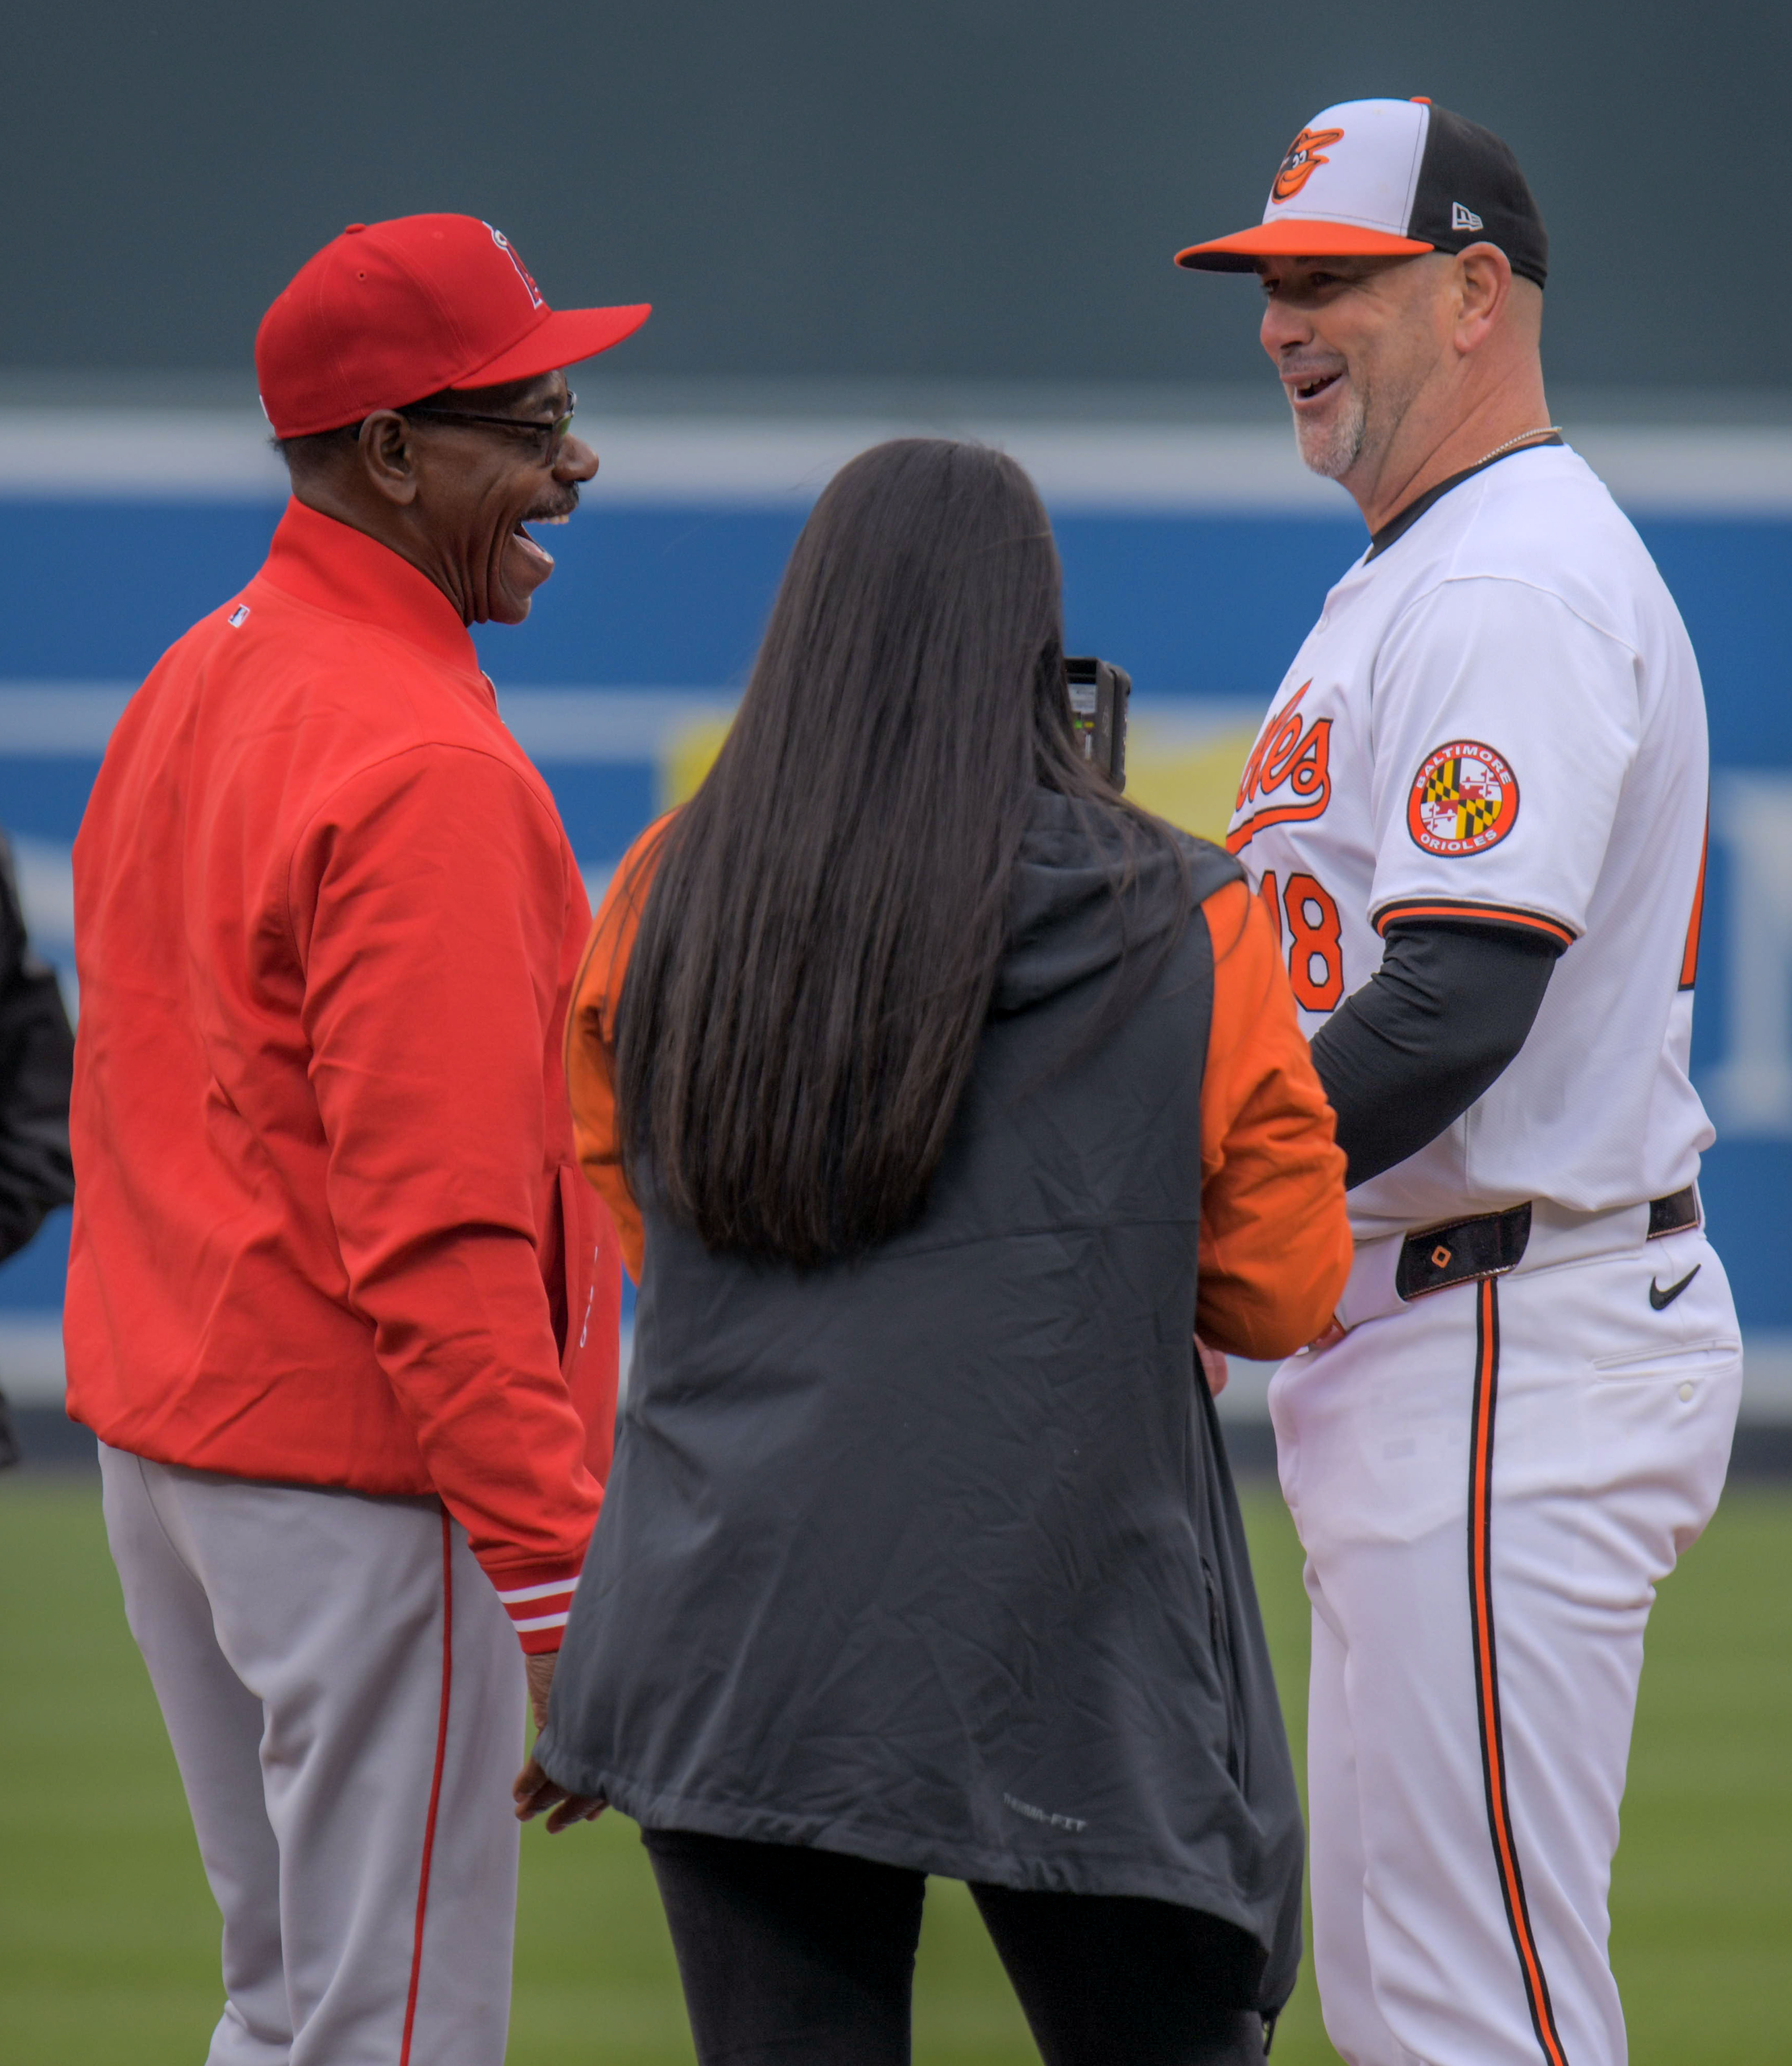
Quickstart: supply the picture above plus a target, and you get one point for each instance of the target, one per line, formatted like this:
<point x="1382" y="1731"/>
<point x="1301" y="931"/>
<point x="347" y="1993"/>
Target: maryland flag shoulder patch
<point x="1465" y="798"/>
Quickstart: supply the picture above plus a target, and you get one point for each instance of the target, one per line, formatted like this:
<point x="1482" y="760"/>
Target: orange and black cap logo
<point x="1305" y="155"/>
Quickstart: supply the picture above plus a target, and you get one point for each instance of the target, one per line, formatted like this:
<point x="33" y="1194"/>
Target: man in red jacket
<point x="342" y="1309"/>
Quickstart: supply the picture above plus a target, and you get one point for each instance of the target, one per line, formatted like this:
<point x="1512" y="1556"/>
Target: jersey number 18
<point x="1315" y="956"/>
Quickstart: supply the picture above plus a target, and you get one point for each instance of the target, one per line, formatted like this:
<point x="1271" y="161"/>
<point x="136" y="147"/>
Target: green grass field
<point x="108" y="1936"/>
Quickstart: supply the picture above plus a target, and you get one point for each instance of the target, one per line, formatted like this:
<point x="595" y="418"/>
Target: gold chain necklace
<point x="1548" y="430"/>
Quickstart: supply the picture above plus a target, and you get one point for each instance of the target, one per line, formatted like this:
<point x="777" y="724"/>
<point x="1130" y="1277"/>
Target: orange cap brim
<point x="563" y="338"/>
<point x="1296" y="237"/>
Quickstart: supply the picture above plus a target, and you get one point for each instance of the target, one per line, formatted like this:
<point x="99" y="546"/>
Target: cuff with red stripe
<point x="1462" y="910"/>
<point x="538" y="1602"/>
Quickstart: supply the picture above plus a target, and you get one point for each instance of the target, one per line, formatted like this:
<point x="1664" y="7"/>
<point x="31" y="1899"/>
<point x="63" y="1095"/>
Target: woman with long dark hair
<point x="939" y="1095"/>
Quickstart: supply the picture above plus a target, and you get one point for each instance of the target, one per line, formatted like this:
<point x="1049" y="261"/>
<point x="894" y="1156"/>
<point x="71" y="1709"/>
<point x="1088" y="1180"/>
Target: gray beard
<point x="1333" y="448"/>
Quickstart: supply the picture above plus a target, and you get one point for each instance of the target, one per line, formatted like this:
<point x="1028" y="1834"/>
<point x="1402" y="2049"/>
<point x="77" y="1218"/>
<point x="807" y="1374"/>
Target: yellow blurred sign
<point x="1190" y="781"/>
<point x="688" y="758"/>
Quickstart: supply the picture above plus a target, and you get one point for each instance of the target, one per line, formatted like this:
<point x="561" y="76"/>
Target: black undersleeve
<point x="1407" y="1054"/>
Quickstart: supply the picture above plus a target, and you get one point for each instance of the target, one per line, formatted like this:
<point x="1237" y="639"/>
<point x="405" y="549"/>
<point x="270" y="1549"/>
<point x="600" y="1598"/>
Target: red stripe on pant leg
<point x="435" y="1788"/>
<point x="1486" y="1672"/>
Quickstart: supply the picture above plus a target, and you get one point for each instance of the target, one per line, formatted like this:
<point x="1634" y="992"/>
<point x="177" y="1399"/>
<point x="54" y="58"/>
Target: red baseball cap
<point x="389" y="312"/>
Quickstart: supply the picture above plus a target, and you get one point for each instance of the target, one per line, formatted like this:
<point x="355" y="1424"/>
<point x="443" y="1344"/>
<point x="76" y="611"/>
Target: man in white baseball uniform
<point x="1476" y="808"/>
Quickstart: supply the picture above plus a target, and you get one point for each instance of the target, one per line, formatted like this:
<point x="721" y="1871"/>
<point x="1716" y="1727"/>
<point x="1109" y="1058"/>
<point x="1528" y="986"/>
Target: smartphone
<point x="1099" y="694"/>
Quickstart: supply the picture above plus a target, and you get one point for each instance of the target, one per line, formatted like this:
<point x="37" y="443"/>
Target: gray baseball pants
<point x="345" y="1696"/>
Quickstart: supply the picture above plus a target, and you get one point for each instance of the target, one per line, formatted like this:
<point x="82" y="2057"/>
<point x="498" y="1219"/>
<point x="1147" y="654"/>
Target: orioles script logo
<point x="1292" y="757"/>
<point x="1305" y="155"/>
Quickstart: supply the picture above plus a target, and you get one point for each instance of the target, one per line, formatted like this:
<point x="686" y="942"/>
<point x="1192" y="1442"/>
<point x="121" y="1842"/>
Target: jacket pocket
<point x="577" y="1272"/>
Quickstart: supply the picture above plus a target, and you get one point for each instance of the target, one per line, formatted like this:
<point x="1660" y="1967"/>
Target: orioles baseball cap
<point x="1388" y="178"/>
<point x="389" y="312"/>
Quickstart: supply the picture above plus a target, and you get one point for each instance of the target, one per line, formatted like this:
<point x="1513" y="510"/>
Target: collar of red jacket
<point x="334" y="567"/>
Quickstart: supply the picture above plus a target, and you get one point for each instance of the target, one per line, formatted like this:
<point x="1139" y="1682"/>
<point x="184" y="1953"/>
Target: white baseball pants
<point x="345" y="1697"/>
<point x="1489" y="1484"/>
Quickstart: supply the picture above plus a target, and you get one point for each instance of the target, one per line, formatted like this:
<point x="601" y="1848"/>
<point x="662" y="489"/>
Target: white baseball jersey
<point x="1498" y="715"/>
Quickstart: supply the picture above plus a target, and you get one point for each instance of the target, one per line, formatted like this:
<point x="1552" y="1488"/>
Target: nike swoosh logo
<point x="1658" y="1297"/>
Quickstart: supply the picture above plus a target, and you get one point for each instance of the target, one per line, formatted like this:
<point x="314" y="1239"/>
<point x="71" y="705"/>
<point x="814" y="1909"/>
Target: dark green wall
<point x="989" y="189"/>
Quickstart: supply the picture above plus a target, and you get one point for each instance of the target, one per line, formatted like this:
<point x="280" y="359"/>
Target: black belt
<point x="1492" y="1243"/>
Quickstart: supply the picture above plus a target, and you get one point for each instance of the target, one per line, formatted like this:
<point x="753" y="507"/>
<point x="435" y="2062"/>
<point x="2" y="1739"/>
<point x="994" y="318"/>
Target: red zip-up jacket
<point x="329" y="1226"/>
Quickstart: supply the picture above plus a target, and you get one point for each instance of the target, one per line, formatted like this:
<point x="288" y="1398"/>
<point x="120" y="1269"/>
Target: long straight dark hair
<point x="820" y="945"/>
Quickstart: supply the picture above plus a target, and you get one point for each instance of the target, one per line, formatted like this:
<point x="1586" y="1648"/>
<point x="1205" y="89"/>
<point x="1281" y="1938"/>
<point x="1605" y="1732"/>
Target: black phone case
<point x="1100" y="693"/>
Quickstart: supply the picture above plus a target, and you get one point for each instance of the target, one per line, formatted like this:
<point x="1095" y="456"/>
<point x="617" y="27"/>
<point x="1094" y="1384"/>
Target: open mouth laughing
<point x="558" y="511"/>
<point x="1312" y="386"/>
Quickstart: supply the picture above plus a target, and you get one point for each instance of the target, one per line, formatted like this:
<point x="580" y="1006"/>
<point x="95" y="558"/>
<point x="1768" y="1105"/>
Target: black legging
<point x="793" y="1957"/>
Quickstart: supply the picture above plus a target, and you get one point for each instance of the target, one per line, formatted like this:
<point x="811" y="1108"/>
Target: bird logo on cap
<point x="1305" y="156"/>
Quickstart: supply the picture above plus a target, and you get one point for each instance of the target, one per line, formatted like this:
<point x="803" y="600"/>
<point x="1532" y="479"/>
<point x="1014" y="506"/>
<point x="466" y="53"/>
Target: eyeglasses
<point x="553" y="435"/>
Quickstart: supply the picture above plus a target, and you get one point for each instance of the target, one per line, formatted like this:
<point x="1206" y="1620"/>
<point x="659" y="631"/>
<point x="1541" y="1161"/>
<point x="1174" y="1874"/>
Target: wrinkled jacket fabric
<point x="934" y="1558"/>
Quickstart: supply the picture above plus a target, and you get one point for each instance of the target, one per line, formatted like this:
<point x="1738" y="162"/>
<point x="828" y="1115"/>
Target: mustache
<point x="1308" y="366"/>
<point x="553" y="507"/>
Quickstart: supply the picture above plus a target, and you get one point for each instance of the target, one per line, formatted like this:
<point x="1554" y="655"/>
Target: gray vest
<point x="934" y="1558"/>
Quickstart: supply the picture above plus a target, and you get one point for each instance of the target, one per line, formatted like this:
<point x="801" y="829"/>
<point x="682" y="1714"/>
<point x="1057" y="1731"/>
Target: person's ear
<point x="1483" y="288"/>
<point x="387" y="457"/>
